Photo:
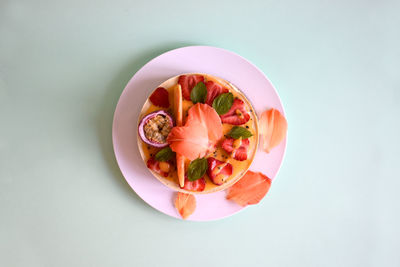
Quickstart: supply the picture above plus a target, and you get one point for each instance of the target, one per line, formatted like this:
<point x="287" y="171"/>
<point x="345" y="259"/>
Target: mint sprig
<point x="198" y="93"/>
<point x="236" y="132"/>
<point x="223" y="103"/>
<point x="164" y="154"/>
<point x="197" y="168"/>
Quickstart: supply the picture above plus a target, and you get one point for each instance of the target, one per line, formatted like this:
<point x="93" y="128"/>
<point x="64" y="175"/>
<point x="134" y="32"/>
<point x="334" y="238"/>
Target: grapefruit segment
<point x="273" y="128"/>
<point x="180" y="160"/>
<point x="201" y="132"/>
<point x="250" y="189"/>
<point x="191" y="142"/>
<point x="180" y="169"/>
<point x="185" y="204"/>
<point x="178" y="105"/>
<point x="208" y="117"/>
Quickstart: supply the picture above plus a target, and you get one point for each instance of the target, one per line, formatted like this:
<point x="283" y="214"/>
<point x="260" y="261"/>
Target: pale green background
<point x="63" y="200"/>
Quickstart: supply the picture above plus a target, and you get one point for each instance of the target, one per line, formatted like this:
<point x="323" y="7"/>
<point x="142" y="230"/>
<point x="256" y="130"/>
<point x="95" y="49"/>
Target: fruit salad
<point x="197" y="133"/>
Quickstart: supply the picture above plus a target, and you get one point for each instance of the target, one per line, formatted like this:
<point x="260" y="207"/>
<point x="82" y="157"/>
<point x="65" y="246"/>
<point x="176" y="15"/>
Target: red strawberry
<point x="154" y="165"/>
<point x="187" y="83"/>
<point x="240" y="154"/>
<point x="237" y="115"/>
<point x="237" y="148"/>
<point x="214" y="90"/>
<point x="160" y="97"/>
<point x="218" y="171"/>
<point x="197" y="185"/>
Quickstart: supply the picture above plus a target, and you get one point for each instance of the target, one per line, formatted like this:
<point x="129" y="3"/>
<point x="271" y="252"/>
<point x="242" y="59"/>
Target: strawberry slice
<point x="187" y="83"/>
<point x="236" y="147"/>
<point x="154" y="165"/>
<point x="198" y="185"/>
<point x="160" y="97"/>
<point x="237" y="115"/>
<point x="218" y="171"/>
<point x="214" y="90"/>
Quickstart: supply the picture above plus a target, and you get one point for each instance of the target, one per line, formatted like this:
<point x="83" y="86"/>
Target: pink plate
<point x="202" y="59"/>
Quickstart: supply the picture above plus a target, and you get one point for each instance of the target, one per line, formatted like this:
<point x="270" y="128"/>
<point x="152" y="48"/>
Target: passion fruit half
<point x="155" y="127"/>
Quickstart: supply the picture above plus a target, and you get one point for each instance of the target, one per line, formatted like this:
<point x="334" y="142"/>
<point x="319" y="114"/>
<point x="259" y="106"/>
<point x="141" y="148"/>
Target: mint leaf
<point x="199" y="93"/>
<point x="237" y="132"/>
<point x="223" y="103"/>
<point x="164" y="154"/>
<point x="197" y="168"/>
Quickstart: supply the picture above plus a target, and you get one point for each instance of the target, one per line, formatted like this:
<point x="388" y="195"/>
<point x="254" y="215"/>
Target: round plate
<point x="201" y="59"/>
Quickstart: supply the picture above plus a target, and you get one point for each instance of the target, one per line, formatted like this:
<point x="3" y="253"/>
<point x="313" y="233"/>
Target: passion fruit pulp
<point x="155" y="127"/>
